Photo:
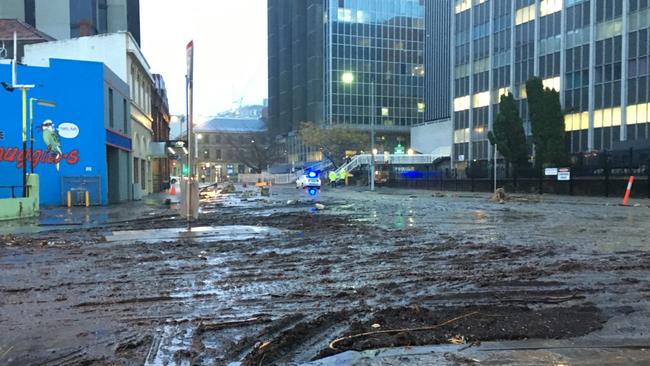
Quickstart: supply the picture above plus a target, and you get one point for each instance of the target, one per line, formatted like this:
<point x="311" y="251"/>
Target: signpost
<point x="564" y="174"/>
<point x="190" y="201"/>
<point x="550" y="171"/>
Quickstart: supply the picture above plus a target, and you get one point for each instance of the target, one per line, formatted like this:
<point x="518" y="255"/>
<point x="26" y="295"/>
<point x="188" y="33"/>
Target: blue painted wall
<point x="77" y="89"/>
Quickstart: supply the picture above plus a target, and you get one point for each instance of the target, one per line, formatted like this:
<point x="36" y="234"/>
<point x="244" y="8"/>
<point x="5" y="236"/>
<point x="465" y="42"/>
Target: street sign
<point x="190" y="60"/>
<point x="564" y="174"/>
<point x="461" y="157"/>
<point x="550" y="171"/>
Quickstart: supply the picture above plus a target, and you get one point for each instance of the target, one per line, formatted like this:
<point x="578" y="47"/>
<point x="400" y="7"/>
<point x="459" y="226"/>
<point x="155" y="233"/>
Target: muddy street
<point x="276" y="281"/>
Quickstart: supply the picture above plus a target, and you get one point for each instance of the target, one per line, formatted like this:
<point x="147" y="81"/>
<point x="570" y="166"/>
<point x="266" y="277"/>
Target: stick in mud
<point x="334" y="342"/>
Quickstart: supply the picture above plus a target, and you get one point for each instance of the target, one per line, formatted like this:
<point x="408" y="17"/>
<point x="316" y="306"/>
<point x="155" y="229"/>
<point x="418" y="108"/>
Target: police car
<point x="310" y="179"/>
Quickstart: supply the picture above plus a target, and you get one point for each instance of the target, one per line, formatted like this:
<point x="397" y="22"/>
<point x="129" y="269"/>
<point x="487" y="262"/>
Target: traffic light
<point x="186" y="170"/>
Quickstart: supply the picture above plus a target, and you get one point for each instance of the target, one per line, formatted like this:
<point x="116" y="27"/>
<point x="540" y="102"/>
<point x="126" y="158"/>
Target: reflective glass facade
<point x="88" y="17"/>
<point x="380" y="42"/>
<point x="595" y="52"/>
<point x="312" y="43"/>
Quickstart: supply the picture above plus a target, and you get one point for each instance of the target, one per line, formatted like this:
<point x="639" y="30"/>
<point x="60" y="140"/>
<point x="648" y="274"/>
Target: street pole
<point x="24" y="90"/>
<point x="188" y="186"/>
<point x="31" y="133"/>
<point x="495" y="168"/>
<point x="372" y="135"/>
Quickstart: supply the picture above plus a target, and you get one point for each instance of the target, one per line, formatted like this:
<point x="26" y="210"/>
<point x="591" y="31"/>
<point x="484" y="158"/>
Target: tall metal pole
<point x="495" y="168"/>
<point x="24" y="90"/>
<point x="188" y="185"/>
<point x="372" y="135"/>
<point x="31" y="134"/>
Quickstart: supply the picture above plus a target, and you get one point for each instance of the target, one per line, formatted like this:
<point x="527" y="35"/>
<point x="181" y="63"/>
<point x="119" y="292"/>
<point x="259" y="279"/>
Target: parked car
<point x="307" y="181"/>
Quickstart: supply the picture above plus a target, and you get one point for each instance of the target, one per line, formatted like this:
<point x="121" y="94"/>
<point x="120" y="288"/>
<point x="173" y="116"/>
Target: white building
<point x="119" y="52"/>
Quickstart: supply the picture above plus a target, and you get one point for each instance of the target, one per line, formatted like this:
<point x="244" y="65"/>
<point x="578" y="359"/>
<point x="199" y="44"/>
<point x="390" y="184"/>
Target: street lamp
<point x="42" y="103"/>
<point x="23" y="88"/>
<point x="348" y="78"/>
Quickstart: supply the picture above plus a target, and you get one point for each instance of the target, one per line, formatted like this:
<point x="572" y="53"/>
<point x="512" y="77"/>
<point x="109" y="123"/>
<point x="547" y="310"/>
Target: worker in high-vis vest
<point x="342" y="175"/>
<point x="332" y="178"/>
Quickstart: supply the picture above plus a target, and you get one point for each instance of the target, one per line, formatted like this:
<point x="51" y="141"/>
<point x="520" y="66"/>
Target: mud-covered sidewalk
<point x="275" y="281"/>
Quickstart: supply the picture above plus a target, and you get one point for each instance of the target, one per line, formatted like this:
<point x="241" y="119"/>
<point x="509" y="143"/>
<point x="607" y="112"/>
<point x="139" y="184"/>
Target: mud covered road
<point x="276" y="282"/>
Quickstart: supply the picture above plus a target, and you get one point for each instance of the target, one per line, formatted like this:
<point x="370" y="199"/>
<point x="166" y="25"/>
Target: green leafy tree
<point x="332" y="141"/>
<point x="508" y="134"/>
<point x="547" y="122"/>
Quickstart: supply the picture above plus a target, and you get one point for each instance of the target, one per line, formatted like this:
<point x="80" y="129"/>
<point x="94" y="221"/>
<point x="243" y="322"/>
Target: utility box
<point x="193" y="199"/>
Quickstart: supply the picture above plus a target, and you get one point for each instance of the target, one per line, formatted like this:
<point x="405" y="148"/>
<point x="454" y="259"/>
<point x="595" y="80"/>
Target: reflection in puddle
<point x="198" y="234"/>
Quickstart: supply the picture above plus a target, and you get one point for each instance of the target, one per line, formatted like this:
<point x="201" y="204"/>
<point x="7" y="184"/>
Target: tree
<point x="332" y="141"/>
<point x="547" y="122"/>
<point x="508" y="134"/>
<point x="256" y="151"/>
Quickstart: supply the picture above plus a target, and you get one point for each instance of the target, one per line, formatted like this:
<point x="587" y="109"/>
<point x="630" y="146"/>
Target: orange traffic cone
<point x="172" y="190"/>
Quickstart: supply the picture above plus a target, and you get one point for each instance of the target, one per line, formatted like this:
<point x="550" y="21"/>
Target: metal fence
<point x="594" y="174"/>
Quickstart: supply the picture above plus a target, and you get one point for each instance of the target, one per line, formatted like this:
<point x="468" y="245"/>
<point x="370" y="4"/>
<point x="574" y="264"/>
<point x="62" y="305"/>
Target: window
<point x="143" y="175"/>
<point x="88" y="17"/>
<point x="206" y="154"/>
<point x="217" y="154"/>
<point x="136" y="171"/>
<point x="125" y="110"/>
<point x="111" y="109"/>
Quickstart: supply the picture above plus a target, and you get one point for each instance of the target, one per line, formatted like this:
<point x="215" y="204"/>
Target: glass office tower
<point x="380" y="42"/>
<point x="595" y="52"/>
<point x="313" y="43"/>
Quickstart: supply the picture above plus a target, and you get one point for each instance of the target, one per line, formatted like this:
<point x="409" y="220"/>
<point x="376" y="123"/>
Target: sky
<point x="230" y="58"/>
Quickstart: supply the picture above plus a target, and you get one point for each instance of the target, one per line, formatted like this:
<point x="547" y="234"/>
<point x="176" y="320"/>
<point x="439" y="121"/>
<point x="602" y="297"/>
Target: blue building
<point x="91" y="117"/>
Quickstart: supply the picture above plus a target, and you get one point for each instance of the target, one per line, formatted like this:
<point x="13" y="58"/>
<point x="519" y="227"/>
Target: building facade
<point x="222" y="146"/>
<point x="330" y="61"/>
<point x="64" y="19"/>
<point x="94" y="157"/>
<point x="127" y="61"/>
<point x="437" y="63"/>
<point x="594" y="52"/>
<point x="160" y="170"/>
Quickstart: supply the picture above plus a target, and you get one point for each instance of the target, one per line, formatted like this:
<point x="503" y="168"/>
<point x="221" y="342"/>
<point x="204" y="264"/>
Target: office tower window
<point x="88" y="17"/>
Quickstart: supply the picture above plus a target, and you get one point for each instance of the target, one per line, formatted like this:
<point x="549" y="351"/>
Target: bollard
<point x="69" y="199"/>
<point x="87" y="199"/>
<point x="628" y="190"/>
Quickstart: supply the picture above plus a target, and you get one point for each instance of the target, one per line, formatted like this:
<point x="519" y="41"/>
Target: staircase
<point x="392" y="159"/>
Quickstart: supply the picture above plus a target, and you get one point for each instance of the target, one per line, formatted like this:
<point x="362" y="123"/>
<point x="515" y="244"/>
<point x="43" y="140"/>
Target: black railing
<point x="14" y="188"/>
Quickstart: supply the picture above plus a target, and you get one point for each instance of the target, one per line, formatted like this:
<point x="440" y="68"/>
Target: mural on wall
<point x="52" y="154"/>
<point x="69" y="140"/>
<point x="52" y="141"/>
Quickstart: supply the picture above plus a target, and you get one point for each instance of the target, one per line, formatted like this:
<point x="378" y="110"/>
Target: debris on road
<point x="499" y="195"/>
<point x="276" y="284"/>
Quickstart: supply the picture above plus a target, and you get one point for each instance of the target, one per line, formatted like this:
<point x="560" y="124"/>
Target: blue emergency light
<point x="312" y="174"/>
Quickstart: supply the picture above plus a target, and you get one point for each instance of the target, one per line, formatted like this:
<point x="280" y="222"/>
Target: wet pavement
<point x="275" y="281"/>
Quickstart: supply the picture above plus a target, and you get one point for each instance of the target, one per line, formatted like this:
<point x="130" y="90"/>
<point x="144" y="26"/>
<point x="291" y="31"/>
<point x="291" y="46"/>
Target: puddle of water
<point x="198" y="234"/>
<point x="169" y="340"/>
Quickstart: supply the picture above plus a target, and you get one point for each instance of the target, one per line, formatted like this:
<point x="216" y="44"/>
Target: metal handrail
<point x="13" y="189"/>
<point x="364" y="159"/>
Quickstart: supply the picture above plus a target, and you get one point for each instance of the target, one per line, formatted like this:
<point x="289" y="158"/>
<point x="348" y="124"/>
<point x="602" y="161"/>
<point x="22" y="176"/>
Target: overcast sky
<point x="229" y="51"/>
